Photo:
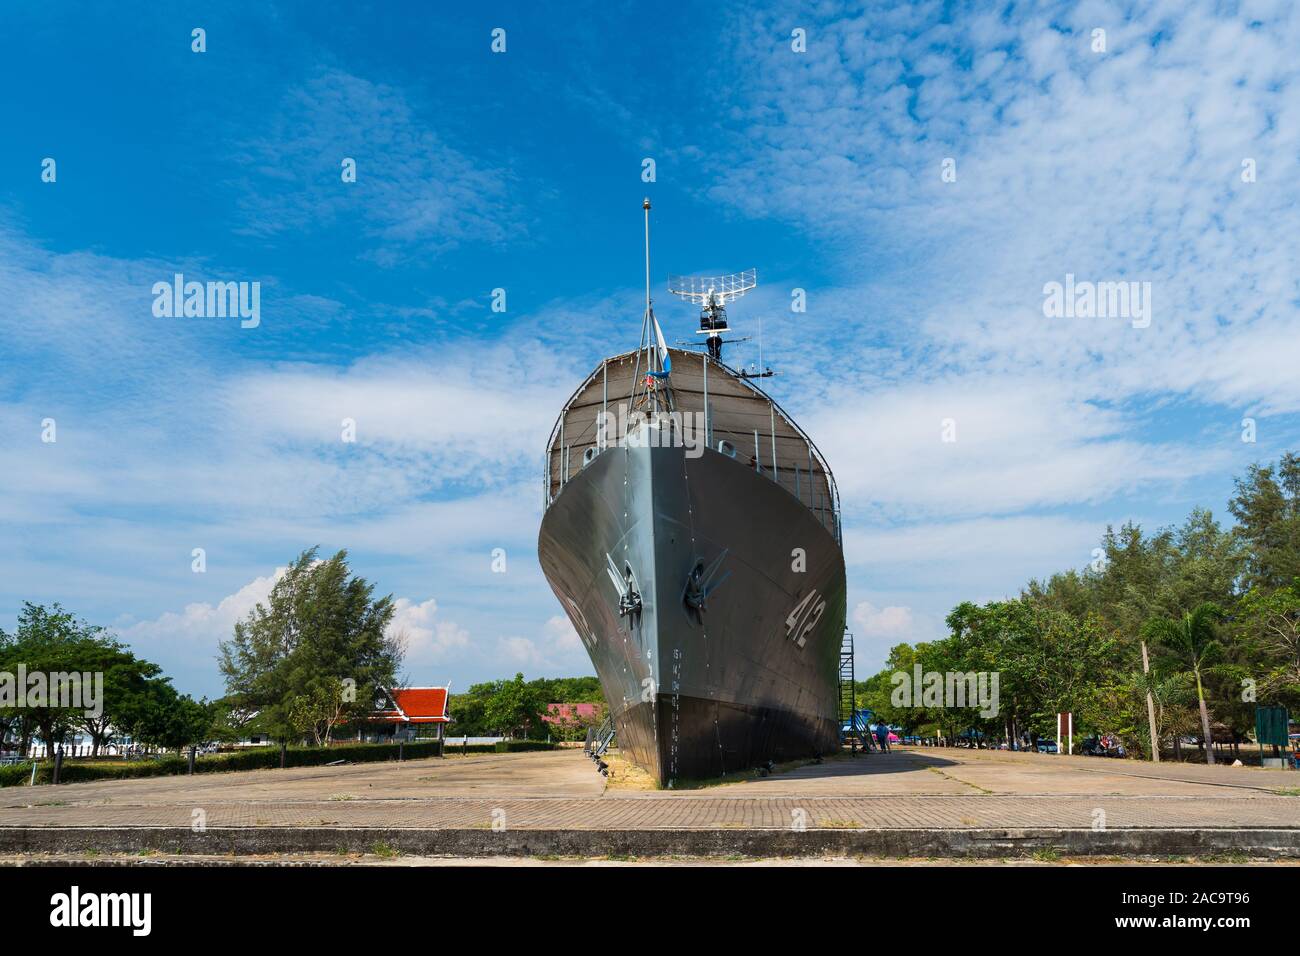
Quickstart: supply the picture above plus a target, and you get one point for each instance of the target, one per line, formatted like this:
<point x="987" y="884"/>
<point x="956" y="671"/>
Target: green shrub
<point x="517" y="746"/>
<point x="257" y="758"/>
<point x="12" y="775"/>
<point x="500" y="747"/>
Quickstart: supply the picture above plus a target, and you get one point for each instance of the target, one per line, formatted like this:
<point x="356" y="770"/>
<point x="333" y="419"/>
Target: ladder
<point x="848" y="705"/>
<point x="858" y="732"/>
<point x="603" y="738"/>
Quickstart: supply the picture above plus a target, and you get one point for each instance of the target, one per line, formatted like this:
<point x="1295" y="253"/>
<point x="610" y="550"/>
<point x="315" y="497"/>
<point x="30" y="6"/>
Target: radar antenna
<point x="713" y="293"/>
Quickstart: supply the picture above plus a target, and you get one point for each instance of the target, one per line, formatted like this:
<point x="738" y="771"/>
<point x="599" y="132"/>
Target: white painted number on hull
<point x="804" y="618"/>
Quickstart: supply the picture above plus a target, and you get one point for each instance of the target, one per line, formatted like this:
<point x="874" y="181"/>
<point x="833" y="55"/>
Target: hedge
<point x="259" y="758"/>
<point x="501" y="747"/>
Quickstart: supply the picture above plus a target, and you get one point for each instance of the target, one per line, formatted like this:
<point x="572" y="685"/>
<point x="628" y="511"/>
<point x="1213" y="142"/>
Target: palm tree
<point x="1191" y="641"/>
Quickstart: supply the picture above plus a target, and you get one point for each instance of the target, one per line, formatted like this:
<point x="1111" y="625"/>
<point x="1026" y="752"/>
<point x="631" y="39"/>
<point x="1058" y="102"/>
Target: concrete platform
<point x="910" y="803"/>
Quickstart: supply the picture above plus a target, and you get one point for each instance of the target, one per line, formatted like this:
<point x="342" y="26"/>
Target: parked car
<point x="1047" y="747"/>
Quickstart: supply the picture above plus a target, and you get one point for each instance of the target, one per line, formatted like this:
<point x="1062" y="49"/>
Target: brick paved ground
<point x="949" y="789"/>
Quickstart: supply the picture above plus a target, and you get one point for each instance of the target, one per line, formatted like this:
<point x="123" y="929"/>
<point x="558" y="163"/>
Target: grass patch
<point x="752" y="773"/>
<point x="1237" y="858"/>
<point x="1046" y="855"/>
<point x="625" y="775"/>
<point x="385" y="850"/>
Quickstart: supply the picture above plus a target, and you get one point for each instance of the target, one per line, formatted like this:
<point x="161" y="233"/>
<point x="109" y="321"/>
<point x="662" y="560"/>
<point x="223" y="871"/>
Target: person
<point x="882" y="735"/>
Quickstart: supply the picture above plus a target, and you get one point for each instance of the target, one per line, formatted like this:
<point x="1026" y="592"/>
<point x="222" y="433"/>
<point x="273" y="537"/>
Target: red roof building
<point x="405" y="707"/>
<point x="568" y="713"/>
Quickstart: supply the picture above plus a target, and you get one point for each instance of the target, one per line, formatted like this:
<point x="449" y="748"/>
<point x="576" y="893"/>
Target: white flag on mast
<point x="664" y="360"/>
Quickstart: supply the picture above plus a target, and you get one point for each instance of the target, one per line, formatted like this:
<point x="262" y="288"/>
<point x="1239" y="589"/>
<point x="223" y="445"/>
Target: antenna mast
<point x="651" y="390"/>
<point x="713" y="293"/>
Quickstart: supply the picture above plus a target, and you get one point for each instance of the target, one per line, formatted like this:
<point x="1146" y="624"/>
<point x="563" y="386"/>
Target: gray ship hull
<point x="752" y="676"/>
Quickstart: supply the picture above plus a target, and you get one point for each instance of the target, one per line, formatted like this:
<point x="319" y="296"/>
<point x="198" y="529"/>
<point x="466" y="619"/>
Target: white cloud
<point x="186" y="643"/>
<point x="886" y="623"/>
<point x="1018" y="444"/>
<point x="1122" y="166"/>
<point x="201" y="626"/>
<point x="558" y="650"/>
<point x="413" y="190"/>
<point x="428" y="638"/>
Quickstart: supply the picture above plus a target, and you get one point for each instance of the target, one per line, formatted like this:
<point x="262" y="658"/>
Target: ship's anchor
<point x="700" y="584"/>
<point x="629" y="594"/>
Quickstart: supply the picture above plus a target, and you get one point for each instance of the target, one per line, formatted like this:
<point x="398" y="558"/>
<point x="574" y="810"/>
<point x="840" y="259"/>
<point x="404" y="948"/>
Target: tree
<point x="320" y="626"/>
<point x="230" y="722"/>
<point x="515" y="708"/>
<point x="1271" y="625"/>
<point x="1267" y="509"/>
<point x="126" y="688"/>
<point x="171" y="720"/>
<point x="1192" y="643"/>
<point x="1169" y="694"/>
<point x="53" y="643"/>
<point x="319" y="711"/>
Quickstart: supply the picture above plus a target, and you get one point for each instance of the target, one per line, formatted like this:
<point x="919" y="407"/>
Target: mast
<point x="651" y="391"/>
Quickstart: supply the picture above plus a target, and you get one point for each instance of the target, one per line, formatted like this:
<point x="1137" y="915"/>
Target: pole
<point x="1151" y="709"/>
<point x="646" y="206"/>
<point x="190" y="762"/>
<point x="707" y="438"/>
<point x="810" y="477"/>
<point x="775" y="477"/>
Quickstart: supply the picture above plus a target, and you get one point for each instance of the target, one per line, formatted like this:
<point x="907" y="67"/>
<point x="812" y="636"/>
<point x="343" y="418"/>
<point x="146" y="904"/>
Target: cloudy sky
<point x="921" y="172"/>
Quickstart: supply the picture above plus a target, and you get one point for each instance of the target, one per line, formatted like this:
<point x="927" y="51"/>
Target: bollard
<point x="58" y="763"/>
<point x="191" y="760"/>
<point x="284" y="755"/>
<point x="401" y="750"/>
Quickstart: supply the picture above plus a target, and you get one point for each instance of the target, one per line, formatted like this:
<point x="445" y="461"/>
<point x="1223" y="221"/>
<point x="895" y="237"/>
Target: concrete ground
<point x="545" y="801"/>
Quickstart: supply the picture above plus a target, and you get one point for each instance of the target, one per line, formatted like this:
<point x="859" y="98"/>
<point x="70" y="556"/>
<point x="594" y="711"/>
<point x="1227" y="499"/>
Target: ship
<point x="691" y="533"/>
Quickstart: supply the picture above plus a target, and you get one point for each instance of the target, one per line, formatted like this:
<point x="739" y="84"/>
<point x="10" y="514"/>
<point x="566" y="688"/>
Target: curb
<point x="483" y="842"/>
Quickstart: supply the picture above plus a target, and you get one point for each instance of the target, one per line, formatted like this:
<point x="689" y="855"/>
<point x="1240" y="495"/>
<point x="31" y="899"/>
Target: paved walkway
<point x="945" y="789"/>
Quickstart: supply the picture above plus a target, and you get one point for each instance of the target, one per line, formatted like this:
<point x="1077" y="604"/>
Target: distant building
<point x="570" y="713"/>
<point x="411" y="713"/>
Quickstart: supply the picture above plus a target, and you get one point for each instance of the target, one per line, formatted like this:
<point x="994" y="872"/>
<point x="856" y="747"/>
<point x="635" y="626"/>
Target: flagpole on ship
<point x="658" y="364"/>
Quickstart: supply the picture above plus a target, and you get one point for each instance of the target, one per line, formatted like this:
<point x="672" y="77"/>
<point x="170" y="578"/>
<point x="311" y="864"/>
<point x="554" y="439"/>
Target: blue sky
<point x="522" y="170"/>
